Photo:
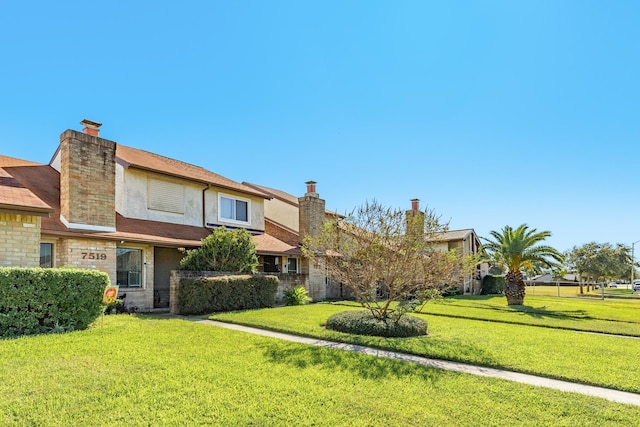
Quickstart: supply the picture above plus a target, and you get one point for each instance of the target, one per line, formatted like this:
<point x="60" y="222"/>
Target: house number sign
<point x="94" y="255"/>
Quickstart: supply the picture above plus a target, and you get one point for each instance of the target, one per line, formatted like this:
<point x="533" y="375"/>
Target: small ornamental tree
<point x="230" y="251"/>
<point x="383" y="250"/>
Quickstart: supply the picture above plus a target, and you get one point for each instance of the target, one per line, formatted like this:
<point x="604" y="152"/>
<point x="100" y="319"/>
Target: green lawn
<point x="596" y="359"/>
<point x="574" y="291"/>
<point x="141" y="371"/>
<point x="618" y="316"/>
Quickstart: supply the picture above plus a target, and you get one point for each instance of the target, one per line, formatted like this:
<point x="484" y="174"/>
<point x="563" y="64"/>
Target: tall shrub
<point x="492" y="284"/>
<point x="230" y="251"/>
<point x="36" y="300"/>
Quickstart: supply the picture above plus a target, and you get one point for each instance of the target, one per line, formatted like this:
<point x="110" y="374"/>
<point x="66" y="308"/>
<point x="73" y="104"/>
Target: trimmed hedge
<point x="362" y="322"/>
<point x="226" y="293"/>
<point x="42" y="300"/>
<point x="492" y="284"/>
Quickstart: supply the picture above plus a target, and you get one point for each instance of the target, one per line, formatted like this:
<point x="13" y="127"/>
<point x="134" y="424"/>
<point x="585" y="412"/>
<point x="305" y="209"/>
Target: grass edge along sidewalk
<point x="609" y="394"/>
<point x="593" y="359"/>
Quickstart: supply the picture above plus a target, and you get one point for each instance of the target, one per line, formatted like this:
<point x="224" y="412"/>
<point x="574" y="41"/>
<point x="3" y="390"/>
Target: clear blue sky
<point x="492" y="113"/>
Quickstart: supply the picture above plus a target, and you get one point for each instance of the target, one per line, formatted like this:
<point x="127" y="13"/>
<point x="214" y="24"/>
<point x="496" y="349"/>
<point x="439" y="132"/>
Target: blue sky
<point x="492" y="113"/>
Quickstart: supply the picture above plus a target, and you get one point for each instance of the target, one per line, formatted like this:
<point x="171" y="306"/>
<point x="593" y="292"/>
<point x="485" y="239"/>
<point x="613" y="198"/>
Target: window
<point x="165" y="196"/>
<point x="46" y="255"/>
<point x="129" y="267"/>
<point x="292" y="265"/>
<point x="232" y="209"/>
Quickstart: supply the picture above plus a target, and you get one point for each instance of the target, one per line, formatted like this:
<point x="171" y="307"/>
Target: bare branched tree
<point x="387" y="258"/>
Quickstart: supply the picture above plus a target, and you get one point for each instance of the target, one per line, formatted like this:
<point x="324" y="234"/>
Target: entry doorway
<point x="164" y="260"/>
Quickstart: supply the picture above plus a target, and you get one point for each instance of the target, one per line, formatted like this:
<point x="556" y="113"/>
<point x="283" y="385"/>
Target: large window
<point x="129" y="267"/>
<point x="46" y="255"/>
<point x="234" y="209"/>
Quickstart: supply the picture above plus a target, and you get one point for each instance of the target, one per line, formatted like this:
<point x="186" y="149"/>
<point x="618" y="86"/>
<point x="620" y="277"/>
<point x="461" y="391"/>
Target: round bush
<point x="362" y="322"/>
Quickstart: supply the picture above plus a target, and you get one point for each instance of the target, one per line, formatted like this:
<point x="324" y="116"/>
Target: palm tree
<point x="518" y="248"/>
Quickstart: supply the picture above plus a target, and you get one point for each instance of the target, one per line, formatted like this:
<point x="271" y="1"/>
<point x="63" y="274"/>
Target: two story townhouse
<point x="128" y="212"/>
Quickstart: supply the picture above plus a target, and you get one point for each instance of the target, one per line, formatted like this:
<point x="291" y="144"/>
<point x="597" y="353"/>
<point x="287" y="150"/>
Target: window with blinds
<point x="165" y="196"/>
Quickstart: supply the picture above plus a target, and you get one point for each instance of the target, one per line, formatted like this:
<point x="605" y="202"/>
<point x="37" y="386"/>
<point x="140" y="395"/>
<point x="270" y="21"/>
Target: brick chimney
<point x="415" y="218"/>
<point x="311" y="212"/>
<point x="87" y="179"/>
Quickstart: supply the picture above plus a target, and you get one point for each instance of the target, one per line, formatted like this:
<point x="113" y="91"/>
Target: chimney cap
<point x="90" y="124"/>
<point x="310" y="182"/>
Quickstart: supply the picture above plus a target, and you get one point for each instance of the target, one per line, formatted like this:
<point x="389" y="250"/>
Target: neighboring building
<point x="466" y="243"/>
<point x="127" y="212"/>
<point x="290" y="219"/>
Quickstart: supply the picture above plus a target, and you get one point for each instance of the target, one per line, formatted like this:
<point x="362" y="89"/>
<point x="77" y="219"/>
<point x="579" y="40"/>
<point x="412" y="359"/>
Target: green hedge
<point x="492" y="284"/>
<point x="226" y="293"/>
<point x="42" y="300"/>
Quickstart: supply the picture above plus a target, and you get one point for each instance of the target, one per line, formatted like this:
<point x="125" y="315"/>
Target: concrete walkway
<point x="605" y="393"/>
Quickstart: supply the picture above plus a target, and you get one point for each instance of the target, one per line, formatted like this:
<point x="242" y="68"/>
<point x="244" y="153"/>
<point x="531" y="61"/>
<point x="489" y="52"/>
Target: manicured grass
<point x="574" y="291"/>
<point x="602" y="360"/>
<point x="609" y="316"/>
<point x="140" y="371"/>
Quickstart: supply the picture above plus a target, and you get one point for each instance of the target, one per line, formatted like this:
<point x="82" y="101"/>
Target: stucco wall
<point x="132" y="201"/>
<point x="132" y="198"/>
<point x="282" y="213"/>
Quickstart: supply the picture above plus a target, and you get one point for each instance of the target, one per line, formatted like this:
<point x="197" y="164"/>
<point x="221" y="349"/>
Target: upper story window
<point x="234" y="209"/>
<point x="165" y="196"/>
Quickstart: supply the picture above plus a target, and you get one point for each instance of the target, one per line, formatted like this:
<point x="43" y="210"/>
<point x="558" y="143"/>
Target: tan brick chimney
<point x="311" y="212"/>
<point x="87" y="179"/>
<point x="415" y="218"/>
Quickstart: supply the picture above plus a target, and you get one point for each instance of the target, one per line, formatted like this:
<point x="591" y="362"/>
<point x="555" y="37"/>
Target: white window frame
<point x="235" y="199"/>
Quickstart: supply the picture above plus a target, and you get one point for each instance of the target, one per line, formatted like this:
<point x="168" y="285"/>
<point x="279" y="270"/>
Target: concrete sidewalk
<point x="612" y="395"/>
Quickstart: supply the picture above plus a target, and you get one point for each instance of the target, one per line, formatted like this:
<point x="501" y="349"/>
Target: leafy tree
<point x="382" y="250"/>
<point x="595" y="262"/>
<point x="515" y="249"/>
<point x="223" y="250"/>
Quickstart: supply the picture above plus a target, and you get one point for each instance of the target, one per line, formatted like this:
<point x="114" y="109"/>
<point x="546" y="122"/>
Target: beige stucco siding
<point x="132" y="198"/>
<point x="282" y="213"/>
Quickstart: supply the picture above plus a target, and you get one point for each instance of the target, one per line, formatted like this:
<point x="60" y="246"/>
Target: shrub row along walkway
<point x="605" y="393"/>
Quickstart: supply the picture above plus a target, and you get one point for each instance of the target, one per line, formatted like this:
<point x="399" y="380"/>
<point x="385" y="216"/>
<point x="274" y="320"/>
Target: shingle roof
<point x="140" y="159"/>
<point x="14" y="196"/>
<point x="270" y="245"/>
<point x="449" y="236"/>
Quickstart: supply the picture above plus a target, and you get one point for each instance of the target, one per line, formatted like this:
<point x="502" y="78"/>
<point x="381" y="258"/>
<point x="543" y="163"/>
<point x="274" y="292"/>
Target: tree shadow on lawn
<point x="368" y="366"/>
<point x="538" y="312"/>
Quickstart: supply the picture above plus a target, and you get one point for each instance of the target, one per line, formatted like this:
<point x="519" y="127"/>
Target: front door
<point x="165" y="260"/>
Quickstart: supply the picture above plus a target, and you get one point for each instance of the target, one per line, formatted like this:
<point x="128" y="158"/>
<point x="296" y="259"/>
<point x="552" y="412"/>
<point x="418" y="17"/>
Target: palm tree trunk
<point x="514" y="288"/>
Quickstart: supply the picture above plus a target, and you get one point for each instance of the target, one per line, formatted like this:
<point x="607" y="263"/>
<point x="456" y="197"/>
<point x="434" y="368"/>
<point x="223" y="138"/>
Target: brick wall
<point x="281" y="233"/>
<point x="90" y="254"/>
<point x="87" y="179"/>
<point x="20" y="237"/>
